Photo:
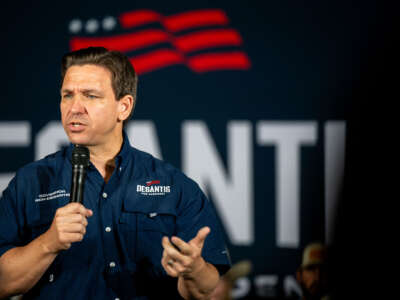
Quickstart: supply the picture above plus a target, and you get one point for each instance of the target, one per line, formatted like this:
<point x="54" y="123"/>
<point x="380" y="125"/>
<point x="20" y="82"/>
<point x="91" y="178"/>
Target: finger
<point x="164" y="241"/>
<point x="73" y="228"/>
<point x="183" y="247"/>
<point x="170" y="270"/>
<point x="171" y="261"/>
<point x="172" y="252"/>
<point x="168" y="246"/>
<point x="173" y="267"/>
<point x="72" y="218"/>
<point x="72" y="208"/>
<point x="89" y="213"/>
<point x="199" y="239"/>
<point x="68" y="237"/>
<point x="78" y="208"/>
<point x="178" y="267"/>
<point x="165" y="262"/>
<point x="165" y="258"/>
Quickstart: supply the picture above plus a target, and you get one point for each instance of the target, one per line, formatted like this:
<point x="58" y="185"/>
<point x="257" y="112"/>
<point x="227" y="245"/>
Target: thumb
<point x="199" y="239"/>
<point x="89" y="212"/>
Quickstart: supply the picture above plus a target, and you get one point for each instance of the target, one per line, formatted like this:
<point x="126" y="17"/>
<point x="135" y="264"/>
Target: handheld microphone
<point x="80" y="161"/>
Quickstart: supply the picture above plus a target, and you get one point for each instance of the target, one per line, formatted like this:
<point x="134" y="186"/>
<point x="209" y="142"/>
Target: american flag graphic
<point x="151" y="182"/>
<point x="198" y="39"/>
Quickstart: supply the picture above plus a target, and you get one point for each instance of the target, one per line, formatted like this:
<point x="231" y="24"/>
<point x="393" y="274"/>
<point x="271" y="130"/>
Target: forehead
<point x="87" y="76"/>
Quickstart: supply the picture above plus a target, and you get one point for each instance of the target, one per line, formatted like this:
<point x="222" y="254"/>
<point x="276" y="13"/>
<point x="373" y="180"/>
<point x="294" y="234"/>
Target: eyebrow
<point x="85" y="91"/>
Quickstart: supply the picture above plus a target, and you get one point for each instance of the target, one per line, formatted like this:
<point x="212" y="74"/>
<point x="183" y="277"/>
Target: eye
<point x="67" y="96"/>
<point x="91" y="96"/>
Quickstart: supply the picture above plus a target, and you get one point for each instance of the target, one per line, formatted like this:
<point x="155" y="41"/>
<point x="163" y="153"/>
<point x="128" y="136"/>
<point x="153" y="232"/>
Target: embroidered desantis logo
<point x="153" y="188"/>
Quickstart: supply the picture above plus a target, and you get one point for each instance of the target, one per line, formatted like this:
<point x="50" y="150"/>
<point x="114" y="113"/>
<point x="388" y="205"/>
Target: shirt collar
<point x="122" y="157"/>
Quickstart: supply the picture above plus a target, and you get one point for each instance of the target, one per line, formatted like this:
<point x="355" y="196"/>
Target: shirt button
<point x="51" y="278"/>
<point x="104" y="195"/>
<point x="112" y="264"/>
<point x="116" y="298"/>
<point x="108" y="229"/>
<point x="120" y="169"/>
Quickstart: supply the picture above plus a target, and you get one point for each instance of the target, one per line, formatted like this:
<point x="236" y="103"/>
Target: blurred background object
<point x="312" y="273"/>
<point x="223" y="291"/>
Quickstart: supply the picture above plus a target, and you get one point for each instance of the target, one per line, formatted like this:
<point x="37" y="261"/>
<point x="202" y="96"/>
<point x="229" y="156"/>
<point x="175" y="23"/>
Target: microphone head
<point x="80" y="156"/>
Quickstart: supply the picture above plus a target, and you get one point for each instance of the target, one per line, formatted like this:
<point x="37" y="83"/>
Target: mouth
<point x="76" y="126"/>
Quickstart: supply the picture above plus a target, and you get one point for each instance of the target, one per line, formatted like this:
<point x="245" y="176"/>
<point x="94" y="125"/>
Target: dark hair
<point x="123" y="75"/>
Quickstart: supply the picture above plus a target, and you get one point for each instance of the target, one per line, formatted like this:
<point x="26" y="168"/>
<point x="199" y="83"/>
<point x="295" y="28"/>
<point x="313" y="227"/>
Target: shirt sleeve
<point x="9" y="228"/>
<point x="196" y="212"/>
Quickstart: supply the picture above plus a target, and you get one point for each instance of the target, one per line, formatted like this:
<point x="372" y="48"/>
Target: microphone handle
<point x="77" y="183"/>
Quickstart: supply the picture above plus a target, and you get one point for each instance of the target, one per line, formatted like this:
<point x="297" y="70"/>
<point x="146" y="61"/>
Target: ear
<point x="125" y="106"/>
<point x="298" y="275"/>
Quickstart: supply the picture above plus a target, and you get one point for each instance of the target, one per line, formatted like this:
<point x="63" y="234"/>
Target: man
<point x="311" y="275"/>
<point x="144" y="231"/>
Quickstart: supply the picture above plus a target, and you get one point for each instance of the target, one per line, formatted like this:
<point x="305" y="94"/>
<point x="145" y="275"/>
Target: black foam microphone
<point x="80" y="161"/>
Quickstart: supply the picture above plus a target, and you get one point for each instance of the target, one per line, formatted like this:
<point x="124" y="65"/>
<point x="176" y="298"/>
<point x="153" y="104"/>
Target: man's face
<point x="89" y="110"/>
<point x="313" y="281"/>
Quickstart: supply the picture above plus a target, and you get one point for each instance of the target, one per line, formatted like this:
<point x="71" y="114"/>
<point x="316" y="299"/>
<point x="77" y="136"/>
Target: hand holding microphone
<point x="69" y="223"/>
<point x="68" y="226"/>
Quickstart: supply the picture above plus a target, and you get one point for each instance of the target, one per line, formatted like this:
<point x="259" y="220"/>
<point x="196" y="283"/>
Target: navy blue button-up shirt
<point x="120" y="255"/>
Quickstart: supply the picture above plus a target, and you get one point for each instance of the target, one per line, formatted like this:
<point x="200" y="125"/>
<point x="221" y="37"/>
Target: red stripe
<point x="191" y="19"/>
<point x="138" y="17"/>
<point x="149" y="183"/>
<point x="124" y="42"/>
<point x="155" y="60"/>
<point x="219" y="61"/>
<point x="207" y="39"/>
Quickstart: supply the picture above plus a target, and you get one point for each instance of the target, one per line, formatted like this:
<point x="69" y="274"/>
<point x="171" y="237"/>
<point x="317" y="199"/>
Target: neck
<point x="103" y="157"/>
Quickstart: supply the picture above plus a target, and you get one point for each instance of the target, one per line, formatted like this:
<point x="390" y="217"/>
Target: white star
<point x="75" y="26"/>
<point x="92" y="25"/>
<point x="109" y="23"/>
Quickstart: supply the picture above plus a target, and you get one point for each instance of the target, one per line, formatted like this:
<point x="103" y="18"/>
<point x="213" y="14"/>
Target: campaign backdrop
<point x="247" y="98"/>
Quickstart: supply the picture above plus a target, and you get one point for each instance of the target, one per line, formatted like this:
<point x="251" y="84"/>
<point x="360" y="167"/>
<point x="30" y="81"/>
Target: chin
<point x="79" y="139"/>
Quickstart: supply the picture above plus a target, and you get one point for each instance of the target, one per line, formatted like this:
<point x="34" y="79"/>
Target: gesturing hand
<point x="68" y="226"/>
<point x="185" y="259"/>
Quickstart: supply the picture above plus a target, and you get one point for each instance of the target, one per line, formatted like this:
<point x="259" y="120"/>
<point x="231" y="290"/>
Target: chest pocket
<point x="143" y="223"/>
<point x="149" y="213"/>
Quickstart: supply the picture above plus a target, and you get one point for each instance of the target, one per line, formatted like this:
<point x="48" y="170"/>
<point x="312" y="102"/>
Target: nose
<point x="77" y="105"/>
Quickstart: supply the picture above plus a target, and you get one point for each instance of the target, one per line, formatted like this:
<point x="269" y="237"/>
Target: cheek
<point x="63" y="111"/>
<point x="308" y="278"/>
<point x="102" y="116"/>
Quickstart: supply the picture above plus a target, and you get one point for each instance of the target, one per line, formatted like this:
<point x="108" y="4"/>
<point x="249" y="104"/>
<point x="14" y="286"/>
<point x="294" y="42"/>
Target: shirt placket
<point x="106" y="210"/>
